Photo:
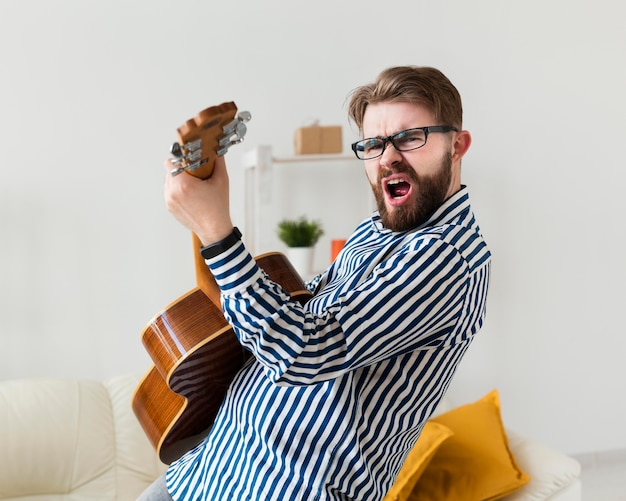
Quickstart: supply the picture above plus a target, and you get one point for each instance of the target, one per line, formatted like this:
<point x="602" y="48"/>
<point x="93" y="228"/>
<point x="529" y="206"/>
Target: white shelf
<point x="328" y="157"/>
<point x="262" y="200"/>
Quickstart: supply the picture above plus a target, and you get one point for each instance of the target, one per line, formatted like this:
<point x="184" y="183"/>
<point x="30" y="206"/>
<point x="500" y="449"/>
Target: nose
<point x="390" y="155"/>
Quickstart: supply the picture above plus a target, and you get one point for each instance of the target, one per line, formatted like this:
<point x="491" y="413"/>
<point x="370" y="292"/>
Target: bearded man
<point x="339" y="389"/>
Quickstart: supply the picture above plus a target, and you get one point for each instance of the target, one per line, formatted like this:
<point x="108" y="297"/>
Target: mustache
<point x="399" y="168"/>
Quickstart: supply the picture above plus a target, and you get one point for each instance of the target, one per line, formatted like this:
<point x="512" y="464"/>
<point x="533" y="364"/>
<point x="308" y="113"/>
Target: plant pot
<point x="302" y="260"/>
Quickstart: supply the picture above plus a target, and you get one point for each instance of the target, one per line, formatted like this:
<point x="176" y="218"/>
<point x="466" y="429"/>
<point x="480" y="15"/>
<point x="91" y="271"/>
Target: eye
<point x="410" y="138"/>
<point x="370" y="145"/>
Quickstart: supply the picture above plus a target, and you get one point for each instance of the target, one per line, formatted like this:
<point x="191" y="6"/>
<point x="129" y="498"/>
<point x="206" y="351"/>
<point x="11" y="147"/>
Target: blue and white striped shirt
<point x="338" y="390"/>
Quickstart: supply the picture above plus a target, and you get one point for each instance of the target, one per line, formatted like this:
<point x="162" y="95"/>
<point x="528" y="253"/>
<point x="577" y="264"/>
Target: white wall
<point x="91" y="93"/>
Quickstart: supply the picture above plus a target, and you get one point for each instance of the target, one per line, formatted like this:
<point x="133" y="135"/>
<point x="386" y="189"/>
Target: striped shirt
<point x="338" y="390"/>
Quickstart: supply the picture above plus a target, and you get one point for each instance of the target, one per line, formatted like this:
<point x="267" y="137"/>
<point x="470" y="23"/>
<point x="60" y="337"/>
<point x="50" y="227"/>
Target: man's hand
<point x="201" y="205"/>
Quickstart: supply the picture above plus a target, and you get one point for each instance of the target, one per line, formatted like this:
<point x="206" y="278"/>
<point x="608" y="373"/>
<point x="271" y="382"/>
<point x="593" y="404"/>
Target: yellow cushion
<point x="475" y="464"/>
<point x="433" y="435"/>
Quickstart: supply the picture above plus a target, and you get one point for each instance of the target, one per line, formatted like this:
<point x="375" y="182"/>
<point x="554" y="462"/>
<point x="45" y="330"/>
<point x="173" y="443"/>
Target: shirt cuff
<point x="235" y="269"/>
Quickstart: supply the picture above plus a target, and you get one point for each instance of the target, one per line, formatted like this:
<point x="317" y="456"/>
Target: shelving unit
<point x="332" y="188"/>
<point x="314" y="158"/>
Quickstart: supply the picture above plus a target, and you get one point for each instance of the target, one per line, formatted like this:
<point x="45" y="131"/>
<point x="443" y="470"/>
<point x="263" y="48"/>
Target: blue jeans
<point x="156" y="492"/>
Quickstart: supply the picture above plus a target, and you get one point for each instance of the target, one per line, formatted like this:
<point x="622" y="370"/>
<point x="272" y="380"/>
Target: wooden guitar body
<point x="196" y="355"/>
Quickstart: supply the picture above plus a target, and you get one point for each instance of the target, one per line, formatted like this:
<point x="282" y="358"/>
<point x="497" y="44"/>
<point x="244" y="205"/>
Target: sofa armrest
<point x="552" y="473"/>
<point x="73" y="439"/>
<point x="57" y="437"/>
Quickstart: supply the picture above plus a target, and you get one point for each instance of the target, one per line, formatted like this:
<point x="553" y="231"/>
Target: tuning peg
<point x="176" y="150"/>
<point x="244" y="116"/>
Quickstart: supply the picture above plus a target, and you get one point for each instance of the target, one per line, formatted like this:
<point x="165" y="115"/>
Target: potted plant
<point x="300" y="232"/>
<point x="300" y="235"/>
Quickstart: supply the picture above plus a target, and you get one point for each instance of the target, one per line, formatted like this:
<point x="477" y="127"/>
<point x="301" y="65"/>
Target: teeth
<point x="395" y="181"/>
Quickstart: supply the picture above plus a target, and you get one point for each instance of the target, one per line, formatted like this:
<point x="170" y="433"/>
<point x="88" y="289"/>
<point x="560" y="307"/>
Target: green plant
<point x="299" y="232"/>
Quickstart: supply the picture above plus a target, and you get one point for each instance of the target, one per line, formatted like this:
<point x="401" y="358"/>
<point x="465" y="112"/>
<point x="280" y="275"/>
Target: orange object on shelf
<point x="335" y="246"/>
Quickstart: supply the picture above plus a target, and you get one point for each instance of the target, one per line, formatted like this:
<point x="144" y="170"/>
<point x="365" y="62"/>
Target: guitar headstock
<point x="206" y="136"/>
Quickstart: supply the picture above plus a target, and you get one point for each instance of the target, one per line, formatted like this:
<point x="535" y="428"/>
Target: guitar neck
<point x="204" y="277"/>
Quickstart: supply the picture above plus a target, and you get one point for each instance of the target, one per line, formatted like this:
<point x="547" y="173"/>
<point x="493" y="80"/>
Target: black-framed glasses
<point x="405" y="140"/>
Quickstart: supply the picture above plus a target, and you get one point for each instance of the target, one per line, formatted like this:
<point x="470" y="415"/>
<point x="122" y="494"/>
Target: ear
<point x="461" y="144"/>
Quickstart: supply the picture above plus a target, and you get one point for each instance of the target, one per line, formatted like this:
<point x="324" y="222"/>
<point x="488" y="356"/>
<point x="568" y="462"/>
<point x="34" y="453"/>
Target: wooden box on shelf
<point x="318" y="139"/>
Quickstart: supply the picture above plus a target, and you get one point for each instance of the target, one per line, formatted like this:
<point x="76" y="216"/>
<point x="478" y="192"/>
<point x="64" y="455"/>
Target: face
<point x="409" y="186"/>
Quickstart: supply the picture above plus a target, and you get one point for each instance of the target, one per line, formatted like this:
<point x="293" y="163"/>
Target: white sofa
<point x="63" y="440"/>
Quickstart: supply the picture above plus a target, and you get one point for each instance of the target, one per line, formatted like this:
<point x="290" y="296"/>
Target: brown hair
<point x="413" y="84"/>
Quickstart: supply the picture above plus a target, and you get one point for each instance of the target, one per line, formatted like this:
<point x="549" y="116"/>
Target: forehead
<point x="383" y="119"/>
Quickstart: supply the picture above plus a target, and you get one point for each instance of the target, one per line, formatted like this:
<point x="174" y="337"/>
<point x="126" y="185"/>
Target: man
<point x="338" y="390"/>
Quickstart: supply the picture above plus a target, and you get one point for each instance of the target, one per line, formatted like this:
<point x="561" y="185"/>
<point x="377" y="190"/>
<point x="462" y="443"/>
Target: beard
<point x="430" y="192"/>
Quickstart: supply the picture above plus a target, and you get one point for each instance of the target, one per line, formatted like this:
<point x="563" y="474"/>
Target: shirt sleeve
<point x="410" y="301"/>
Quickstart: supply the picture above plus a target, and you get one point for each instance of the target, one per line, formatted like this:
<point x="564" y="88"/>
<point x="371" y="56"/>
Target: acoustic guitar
<point x="195" y="351"/>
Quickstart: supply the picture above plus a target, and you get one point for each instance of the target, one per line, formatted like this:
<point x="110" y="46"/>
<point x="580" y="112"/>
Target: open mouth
<point x="398" y="188"/>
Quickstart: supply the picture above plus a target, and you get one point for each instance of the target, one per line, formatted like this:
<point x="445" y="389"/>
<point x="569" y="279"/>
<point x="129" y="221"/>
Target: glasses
<point x="405" y="140"/>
